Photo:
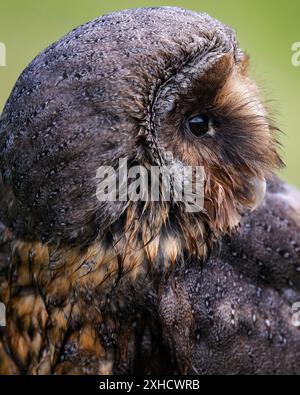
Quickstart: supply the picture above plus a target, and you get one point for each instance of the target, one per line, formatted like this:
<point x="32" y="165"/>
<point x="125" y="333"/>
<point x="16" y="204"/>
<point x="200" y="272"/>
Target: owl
<point x="157" y="86"/>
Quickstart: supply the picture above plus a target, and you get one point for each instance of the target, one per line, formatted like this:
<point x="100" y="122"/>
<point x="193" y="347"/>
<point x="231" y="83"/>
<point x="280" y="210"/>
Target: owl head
<point x="156" y="86"/>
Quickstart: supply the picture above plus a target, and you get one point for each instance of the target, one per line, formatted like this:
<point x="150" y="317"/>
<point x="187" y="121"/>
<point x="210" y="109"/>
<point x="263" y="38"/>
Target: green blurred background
<point x="266" y="29"/>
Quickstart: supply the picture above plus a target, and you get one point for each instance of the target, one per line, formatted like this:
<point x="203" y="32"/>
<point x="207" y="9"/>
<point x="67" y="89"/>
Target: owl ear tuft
<point x="244" y="66"/>
<point x="219" y="71"/>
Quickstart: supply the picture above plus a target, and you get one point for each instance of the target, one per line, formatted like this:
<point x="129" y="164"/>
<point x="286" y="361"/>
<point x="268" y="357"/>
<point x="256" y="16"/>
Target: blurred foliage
<point x="266" y="29"/>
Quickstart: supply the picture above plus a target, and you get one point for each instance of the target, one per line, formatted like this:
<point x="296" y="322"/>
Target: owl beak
<point x="259" y="187"/>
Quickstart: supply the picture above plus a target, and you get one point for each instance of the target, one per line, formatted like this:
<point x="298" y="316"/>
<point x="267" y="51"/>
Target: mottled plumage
<point x="89" y="285"/>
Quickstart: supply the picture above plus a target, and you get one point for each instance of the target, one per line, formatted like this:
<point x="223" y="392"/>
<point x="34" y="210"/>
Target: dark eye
<point x="199" y="125"/>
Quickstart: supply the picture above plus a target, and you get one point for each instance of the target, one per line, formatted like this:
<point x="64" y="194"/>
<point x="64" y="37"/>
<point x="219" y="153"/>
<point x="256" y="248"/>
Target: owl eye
<point x="199" y="125"/>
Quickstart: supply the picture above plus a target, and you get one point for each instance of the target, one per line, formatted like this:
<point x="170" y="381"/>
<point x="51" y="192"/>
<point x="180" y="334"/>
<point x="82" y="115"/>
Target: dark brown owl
<point x="78" y="273"/>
